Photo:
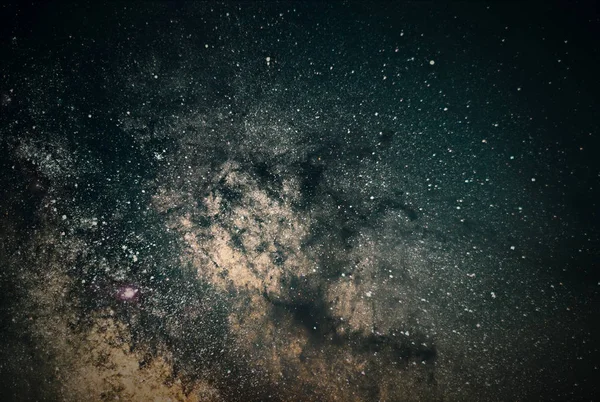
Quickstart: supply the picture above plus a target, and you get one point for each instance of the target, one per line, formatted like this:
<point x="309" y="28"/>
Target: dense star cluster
<point x="297" y="202"/>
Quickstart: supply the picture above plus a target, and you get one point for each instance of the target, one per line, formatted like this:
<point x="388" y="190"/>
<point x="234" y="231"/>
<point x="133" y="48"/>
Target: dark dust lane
<point x="298" y="202"/>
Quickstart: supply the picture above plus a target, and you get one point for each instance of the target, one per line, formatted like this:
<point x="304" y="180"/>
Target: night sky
<point x="299" y="201"/>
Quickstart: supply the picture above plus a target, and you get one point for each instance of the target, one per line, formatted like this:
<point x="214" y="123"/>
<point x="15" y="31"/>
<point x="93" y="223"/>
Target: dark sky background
<point x="299" y="201"/>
